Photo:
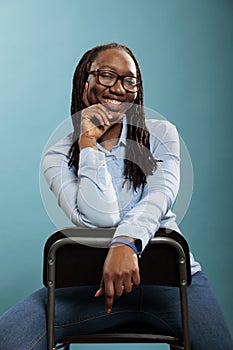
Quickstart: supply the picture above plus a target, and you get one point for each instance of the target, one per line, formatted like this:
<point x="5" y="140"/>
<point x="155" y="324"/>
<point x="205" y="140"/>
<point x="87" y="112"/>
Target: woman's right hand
<point x="95" y="121"/>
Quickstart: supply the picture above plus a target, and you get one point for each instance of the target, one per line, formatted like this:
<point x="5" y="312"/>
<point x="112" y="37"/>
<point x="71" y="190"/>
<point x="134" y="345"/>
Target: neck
<point x="111" y="137"/>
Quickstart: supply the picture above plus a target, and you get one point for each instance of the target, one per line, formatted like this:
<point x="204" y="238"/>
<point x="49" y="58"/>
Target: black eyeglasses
<point x="108" y="78"/>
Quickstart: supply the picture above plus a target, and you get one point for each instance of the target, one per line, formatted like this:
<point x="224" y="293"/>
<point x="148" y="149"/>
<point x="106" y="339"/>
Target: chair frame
<point x="81" y="236"/>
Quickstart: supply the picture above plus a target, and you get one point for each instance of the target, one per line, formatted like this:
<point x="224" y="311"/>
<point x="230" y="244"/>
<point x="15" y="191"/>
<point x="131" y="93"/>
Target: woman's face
<point x="115" y="98"/>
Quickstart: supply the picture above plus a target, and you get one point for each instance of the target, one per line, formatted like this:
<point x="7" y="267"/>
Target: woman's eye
<point x="107" y="75"/>
<point x="130" y="81"/>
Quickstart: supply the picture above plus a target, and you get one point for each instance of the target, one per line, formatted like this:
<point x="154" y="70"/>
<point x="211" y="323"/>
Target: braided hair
<point x="139" y="162"/>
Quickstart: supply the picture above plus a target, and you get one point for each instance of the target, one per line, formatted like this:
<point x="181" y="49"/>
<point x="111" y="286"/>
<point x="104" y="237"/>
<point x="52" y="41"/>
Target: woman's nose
<point x="118" y="88"/>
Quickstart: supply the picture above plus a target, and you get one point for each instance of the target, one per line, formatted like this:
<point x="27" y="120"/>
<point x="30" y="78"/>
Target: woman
<point x="107" y="174"/>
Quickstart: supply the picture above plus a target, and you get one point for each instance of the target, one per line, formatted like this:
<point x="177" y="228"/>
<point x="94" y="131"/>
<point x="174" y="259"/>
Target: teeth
<point x="114" y="102"/>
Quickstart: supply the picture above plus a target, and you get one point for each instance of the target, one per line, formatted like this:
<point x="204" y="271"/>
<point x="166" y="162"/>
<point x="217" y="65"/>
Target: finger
<point x="128" y="286"/>
<point x="96" y="117"/>
<point x="108" y="303"/>
<point x="119" y="288"/>
<point x="103" y="108"/>
<point x="92" y="128"/>
<point x="136" y="278"/>
<point x="116" y="117"/>
<point x="99" y="292"/>
<point x="109" y="296"/>
<point x="104" y="112"/>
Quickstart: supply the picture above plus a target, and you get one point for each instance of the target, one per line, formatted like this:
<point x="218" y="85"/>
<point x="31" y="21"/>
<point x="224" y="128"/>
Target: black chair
<point x="66" y="265"/>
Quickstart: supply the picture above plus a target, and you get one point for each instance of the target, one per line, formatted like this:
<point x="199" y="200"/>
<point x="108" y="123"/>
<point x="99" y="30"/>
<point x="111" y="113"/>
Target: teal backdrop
<point x="185" y="51"/>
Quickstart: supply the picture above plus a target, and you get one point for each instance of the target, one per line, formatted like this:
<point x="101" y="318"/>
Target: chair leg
<point x="176" y="347"/>
<point x="64" y="346"/>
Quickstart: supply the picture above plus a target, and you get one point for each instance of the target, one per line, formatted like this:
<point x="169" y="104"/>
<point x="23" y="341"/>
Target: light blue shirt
<point x="98" y="195"/>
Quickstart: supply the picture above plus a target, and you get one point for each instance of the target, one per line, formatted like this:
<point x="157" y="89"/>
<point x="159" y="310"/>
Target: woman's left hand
<point x="120" y="274"/>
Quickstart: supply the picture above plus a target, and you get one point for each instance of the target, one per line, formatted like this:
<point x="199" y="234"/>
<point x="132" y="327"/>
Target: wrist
<point x="87" y="141"/>
<point x="128" y="241"/>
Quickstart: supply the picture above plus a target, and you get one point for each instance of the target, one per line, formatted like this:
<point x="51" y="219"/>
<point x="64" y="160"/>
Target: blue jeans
<point x="23" y="327"/>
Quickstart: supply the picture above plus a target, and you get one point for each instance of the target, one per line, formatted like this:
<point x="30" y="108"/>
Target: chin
<point x="114" y="109"/>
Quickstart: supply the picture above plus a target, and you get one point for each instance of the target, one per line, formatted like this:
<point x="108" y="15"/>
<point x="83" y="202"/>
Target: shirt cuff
<point x="89" y="157"/>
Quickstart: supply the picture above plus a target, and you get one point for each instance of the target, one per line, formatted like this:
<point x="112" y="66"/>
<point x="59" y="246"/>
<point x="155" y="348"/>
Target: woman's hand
<point x="120" y="274"/>
<point x="95" y="121"/>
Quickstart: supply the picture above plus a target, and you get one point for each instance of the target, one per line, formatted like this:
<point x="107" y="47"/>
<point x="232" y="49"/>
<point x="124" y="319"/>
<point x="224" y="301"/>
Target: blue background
<point x="185" y="51"/>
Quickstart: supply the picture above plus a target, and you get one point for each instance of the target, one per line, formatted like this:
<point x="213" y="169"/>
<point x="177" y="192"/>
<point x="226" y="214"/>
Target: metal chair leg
<point x="176" y="347"/>
<point x="62" y="346"/>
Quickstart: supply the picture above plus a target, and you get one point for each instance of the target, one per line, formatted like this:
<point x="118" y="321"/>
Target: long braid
<point x="139" y="161"/>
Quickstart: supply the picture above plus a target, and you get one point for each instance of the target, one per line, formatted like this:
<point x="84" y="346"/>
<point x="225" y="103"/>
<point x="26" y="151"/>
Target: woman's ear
<point x="85" y="98"/>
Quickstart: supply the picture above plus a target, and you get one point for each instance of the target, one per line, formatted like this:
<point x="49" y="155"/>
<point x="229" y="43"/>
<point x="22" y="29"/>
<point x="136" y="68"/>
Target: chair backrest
<point x="75" y="249"/>
<point x="71" y="258"/>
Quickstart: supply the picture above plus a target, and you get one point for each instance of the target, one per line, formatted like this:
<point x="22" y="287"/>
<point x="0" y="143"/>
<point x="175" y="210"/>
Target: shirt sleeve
<point x="160" y="192"/>
<point x="97" y="198"/>
<point x="87" y="198"/>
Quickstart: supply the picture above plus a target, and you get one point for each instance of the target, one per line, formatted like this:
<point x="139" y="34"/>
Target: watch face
<point x="138" y="245"/>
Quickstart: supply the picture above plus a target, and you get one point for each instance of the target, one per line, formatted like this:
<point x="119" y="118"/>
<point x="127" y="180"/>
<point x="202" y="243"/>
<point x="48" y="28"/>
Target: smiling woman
<point x="106" y="173"/>
<point x="103" y="107"/>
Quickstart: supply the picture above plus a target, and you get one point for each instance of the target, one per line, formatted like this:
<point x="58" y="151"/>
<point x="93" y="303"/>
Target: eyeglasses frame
<point x="119" y="77"/>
